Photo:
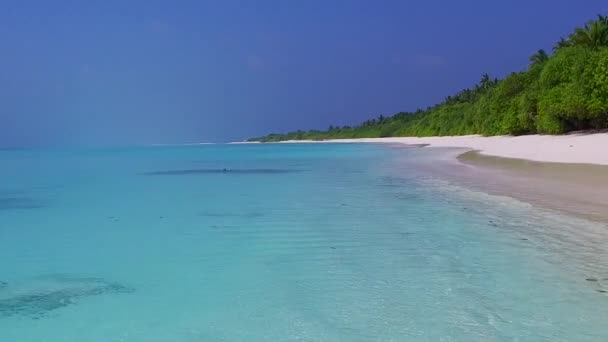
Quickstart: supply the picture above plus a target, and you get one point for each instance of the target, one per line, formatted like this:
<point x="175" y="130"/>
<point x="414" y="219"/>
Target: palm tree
<point x="485" y="81"/>
<point x="594" y="34"/>
<point x="539" y="57"/>
<point x="562" y="43"/>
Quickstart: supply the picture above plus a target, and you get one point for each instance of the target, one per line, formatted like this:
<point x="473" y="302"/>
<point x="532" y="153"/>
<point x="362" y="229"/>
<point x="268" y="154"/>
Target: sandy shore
<point x="579" y="190"/>
<point x="572" y="148"/>
<point x="568" y="173"/>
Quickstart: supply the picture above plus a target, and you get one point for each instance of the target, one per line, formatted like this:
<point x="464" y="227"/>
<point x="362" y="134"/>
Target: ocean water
<point x="280" y="243"/>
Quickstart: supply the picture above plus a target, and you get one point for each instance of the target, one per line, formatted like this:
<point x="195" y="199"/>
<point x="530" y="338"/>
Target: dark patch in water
<point x="53" y="293"/>
<point x="407" y="196"/>
<point x="332" y="247"/>
<point x="10" y="203"/>
<point x="243" y="215"/>
<point x="602" y="291"/>
<point x="3" y="284"/>
<point x="591" y="279"/>
<point x="219" y="171"/>
<point x="219" y="226"/>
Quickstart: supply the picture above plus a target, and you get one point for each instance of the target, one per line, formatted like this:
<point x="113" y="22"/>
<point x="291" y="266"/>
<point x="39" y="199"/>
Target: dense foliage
<point x="563" y="92"/>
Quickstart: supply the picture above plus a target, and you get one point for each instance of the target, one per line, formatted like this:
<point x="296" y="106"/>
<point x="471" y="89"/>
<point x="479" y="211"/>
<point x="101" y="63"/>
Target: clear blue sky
<point x="123" y="72"/>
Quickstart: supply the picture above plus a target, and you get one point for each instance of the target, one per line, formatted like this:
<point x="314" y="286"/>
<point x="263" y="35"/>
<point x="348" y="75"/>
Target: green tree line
<point x="560" y="92"/>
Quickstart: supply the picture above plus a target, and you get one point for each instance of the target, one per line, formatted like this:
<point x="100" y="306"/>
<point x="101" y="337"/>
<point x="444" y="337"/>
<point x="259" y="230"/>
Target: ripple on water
<point x="219" y="171"/>
<point x="14" y="202"/>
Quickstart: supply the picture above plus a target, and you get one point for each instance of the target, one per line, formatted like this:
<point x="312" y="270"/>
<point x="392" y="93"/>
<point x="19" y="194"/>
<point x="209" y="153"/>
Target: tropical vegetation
<point x="557" y="93"/>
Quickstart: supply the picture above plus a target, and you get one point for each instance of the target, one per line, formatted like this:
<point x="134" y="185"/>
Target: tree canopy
<point x="558" y="93"/>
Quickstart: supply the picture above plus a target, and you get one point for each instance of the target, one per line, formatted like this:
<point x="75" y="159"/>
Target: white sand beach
<point x="572" y="148"/>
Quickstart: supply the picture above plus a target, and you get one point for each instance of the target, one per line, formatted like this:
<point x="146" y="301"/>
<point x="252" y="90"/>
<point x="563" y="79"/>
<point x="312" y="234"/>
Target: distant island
<point x="558" y="93"/>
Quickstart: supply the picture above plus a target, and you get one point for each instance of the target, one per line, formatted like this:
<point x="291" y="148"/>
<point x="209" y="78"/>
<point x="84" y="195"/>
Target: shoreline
<point x="578" y="190"/>
<point x="576" y="148"/>
<point x="567" y="173"/>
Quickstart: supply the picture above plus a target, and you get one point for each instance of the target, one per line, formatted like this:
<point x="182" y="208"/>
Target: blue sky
<point x="138" y="72"/>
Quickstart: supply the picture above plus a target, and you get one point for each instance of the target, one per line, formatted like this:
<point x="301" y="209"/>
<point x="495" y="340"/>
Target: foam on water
<point x="283" y="242"/>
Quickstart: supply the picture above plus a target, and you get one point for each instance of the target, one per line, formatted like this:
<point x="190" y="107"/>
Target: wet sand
<point x="580" y="190"/>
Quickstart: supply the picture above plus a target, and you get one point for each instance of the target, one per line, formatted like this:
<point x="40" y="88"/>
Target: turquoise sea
<point x="317" y="242"/>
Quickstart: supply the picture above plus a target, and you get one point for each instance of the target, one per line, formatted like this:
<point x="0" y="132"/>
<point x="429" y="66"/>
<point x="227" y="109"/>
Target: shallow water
<point x="283" y="242"/>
